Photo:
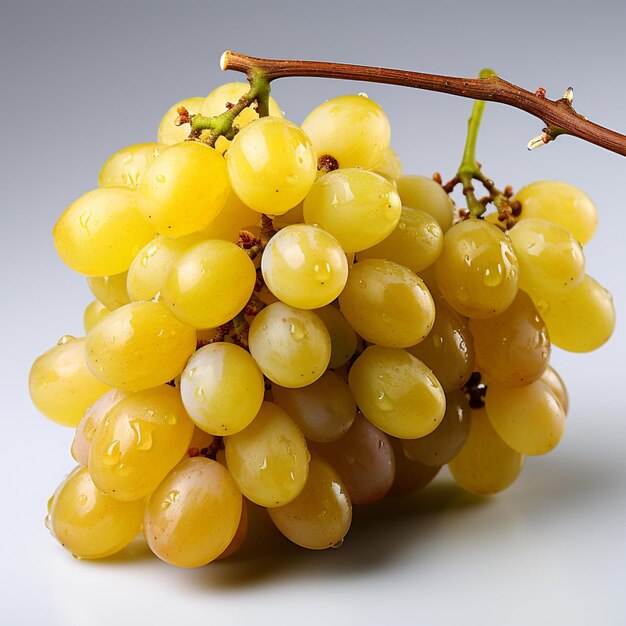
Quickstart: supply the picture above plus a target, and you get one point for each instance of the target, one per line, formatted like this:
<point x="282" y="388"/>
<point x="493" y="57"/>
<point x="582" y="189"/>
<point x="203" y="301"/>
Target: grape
<point x="556" y="385"/>
<point x="94" y="312"/>
<point x="357" y="207"/>
<point x="125" y="167"/>
<point x="200" y="439"/>
<point x="240" y="534"/>
<point x="139" y="345"/>
<point x="323" y="410"/>
<point x="193" y="515"/>
<point x="110" y="290"/>
<point x="269" y="459"/>
<point x="410" y="476"/>
<point x="222" y="388"/>
<point x="234" y="217"/>
<point x="387" y="304"/>
<point x="343" y="339"/>
<point x="291" y="346"/>
<point x="415" y="243"/>
<point x="419" y="192"/>
<point x="397" y="392"/>
<point x="101" y="232"/>
<point x="304" y="266"/>
<point x="512" y="348"/>
<point x="477" y="271"/>
<point x="183" y="189"/>
<point x="88" y="523"/>
<point x="271" y="165"/>
<point x="168" y="132"/>
<point x="562" y="204"/>
<point x="61" y="385"/>
<point x="139" y="441"/>
<point x="209" y="284"/>
<point x="390" y="167"/>
<point x="529" y="419"/>
<point x="354" y="130"/>
<point x="293" y="216"/>
<point x="445" y="442"/>
<point x="485" y="464"/>
<point x="321" y="515"/>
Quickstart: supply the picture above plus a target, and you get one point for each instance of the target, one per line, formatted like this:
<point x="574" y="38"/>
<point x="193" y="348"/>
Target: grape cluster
<point x="286" y="321"/>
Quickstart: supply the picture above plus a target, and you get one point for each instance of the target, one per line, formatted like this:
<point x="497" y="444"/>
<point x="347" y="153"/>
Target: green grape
<point x="410" y="476"/>
<point x="512" y="348"/>
<point x="582" y="320"/>
<point x="125" y="167"/>
<point x="485" y="464"/>
<point x="391" y="166"/>
<point x="529" y="419"/>
<point x="183" y="189"/>
<point x="562" y="204"/>
<point x="304" y="266"/>
<point x="88" y="523"/>
<point x="321" y="515"/>
<point x="387" y="304"/>
<point x="420" y="192"/>
<point x="291" y="346"/>
<point x="101" y="232"/>
<point x="139" y="441"/>
<point x="168" y="132"/>
<point x="94" y="312"/>
<point x="551" y="261"/>
<point x="240" y="534"/>
<point x="477" y="271"/>
<point x="110" y="290"/>
<point x="323" y="410"/>
<point x="209" y="284"/>
<point x="271" y="165"/>
<point x="415" y="243"/>
<point x="397" y="392"/>
<point x="193" y="515"/>
<point x="222" y="388"/>
<point x="448" y="350"/>
<point x="357" y="207"/>
<point x="61" y="385"/>
<point x="556" y="385"/>
<point x="269" y="459"/>
<point x="139" y="345"/>
<point x="352" y="129"/>
<point x="343" y="339"/>
<point x="445" y="442"/>
<point x="364" y="460"/>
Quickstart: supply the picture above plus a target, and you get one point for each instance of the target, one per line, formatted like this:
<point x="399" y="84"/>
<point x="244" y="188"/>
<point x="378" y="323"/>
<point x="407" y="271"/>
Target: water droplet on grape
<point x="113" y="454"/>
<point x="82" y="499"/>
<point x="160" y="178"/>
<point x="65" y="339"/>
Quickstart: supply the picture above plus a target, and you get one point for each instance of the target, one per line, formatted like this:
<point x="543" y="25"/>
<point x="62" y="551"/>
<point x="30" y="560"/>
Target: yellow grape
<point x="343" y="339"/>
<point x="139" y="345"/>
<point x="168" y="132"/>
<point x="200" y="439"/>
<point x="293" y="216"/>
<point x="94" y="312"/>
<point x="420" y="192"/>
<point x="234" y="217"/>
<point x="551" y="378"/>
<point x="101" y="232"/>
<point x="139" y="441"/>
<point x="110" y="290"/>
<point x="410" y="476"/>
<point x="125" y="167"/>
<point x="391" y="166"/>
<point x="240" y="534"/>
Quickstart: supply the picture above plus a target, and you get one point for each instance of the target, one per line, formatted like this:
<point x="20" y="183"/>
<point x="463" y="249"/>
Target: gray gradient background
<point x="80" y="80"/>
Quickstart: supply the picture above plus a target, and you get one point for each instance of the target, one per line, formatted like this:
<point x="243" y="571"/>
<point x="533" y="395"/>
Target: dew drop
<point x="297" y="329"/>
<point x="65" y="339"/>
<point x="160" y="178"/>
<point x="113" y="454"/>
<point x="82" y="499"/>
<point x="338" y="544"/>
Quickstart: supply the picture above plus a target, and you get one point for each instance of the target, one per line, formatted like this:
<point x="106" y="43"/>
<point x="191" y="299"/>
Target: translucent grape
<point x="343" y="339"/>
<point x="293" y="216"/>
<point x="240" y="534"/>
<point x="94" y="312"/>
<point x="410" y="476"/>
<point x="168" y="132"/>
<point x="420" y="192"/>
<point x="551" y="378"/>
<point x="125" y="167"/>
<point x="233" y="217"/>
<point x="391" y="166"/>
<point x="110" y="290"/>
<point x="200" y="439"/>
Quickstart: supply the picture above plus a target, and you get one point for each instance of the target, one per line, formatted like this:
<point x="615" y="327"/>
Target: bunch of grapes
<point x="284" y="321"/>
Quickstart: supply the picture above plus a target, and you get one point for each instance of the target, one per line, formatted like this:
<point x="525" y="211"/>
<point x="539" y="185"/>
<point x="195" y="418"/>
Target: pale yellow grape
<point x="125" y="167"/>
<point x="550" y="260"/>
<point x="183" y="189"/>
<point x="551" y="378"/>
<point x="321" y="515"/>
<point x="193" y="515"/>
<point x="448" y="350"/>
<point x="387" y="304"/>
<point x="420" y="192"/>
<point x="240" y="534"/>
<point x="293" y="216"/>
<point x="485" y="464"/>
<point x="269" y="460"/>
<point x="90" y="524"/>
<point x="209" y="284"/>
<point x="110" y="290"/>
<point x="291" y="346"/>
<point x="94" y="312"/>
<point x="62" y="385"/>
<point x="562" y="204"/>
<point x="304" y="266"/>
<point x="90" y="421"/>
<point x="477" y="271"/>
<point x="139" y="345"/>
<point x="397" y="392"/>
<point x="168" y="132"/>
<point x="343" y="339"/>
<point x="271" y="165"/>
<point x="323" y="411"/>
<point x="139" y="441"/>
<point x="234" y="217"/>
<point x="101" y="232"/>
<point x="359" y="208"/>
<point x="353" y="129"/>
<point x="391" y="166"/>
<point x="410" y="476"/>
<point x="200" y="439"/>
<point x="582" y="320"/>
<point x="222" y="388"/>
